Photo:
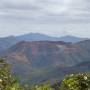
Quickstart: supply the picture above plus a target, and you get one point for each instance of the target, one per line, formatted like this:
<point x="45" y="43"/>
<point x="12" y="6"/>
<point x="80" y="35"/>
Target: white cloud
<point x="39" y="15"/>
<point x="45" y="7"/>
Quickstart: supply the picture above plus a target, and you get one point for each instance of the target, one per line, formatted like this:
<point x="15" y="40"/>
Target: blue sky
<point x="52" y="17"/>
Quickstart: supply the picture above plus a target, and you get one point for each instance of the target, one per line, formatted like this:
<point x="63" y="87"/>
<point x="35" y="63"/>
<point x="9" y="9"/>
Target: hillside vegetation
<point x="70" y="82"/>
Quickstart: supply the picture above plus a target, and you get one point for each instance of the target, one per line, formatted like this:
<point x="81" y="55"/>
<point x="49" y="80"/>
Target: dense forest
<point x="9" y="81"/>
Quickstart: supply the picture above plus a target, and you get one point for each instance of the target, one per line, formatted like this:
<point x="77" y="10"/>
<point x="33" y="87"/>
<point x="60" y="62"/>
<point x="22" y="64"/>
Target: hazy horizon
<point x="51" y="17"/>
<point x="59" y="36"/>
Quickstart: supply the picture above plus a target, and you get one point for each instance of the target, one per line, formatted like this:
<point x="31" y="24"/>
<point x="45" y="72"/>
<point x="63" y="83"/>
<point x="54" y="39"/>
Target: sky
<point x="51" y="17"/>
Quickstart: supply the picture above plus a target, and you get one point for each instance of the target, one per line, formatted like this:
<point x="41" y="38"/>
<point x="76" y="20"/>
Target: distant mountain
<point x="72" y="39"/>
<point x="36" y="37"/>
<point x="47" y="60"/>
<point x="7" y="42"/>
<point x="42" y="37"/>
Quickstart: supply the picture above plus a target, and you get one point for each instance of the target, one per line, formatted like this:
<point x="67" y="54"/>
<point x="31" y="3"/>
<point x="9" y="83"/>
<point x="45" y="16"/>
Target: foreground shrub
<point x="42" y="87"/>
<point x="7" y="81"/>
<point x="76" y="82"/>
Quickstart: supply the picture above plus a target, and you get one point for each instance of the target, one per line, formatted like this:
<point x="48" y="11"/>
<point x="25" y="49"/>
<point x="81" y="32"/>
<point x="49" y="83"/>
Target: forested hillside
<point x="8" y="81"/>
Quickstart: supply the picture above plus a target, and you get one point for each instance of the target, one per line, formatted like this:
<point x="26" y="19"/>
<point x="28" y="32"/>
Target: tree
<point x="7" y="81"/>
<point x="42" y="87"/>
<point x="76" y="82"/>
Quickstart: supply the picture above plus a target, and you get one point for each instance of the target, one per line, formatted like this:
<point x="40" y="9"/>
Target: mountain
<point x="42" y="37"/>
<point x="47" y="60"/>
<point x="7" y="42"/>
<point x="36" y="37"/>
<point x="72" y="39"/>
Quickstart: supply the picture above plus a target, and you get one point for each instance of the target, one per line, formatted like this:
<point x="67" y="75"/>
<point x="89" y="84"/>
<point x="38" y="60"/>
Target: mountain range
<point x="7" y="42"/>
<point x="39" y="60"/>
<point x="43" y="37"/>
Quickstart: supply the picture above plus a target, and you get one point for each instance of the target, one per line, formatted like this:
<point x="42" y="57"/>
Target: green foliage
<point x="76" y="82"/>
<point x="71" y="82"/>
<point x="42" y="87"/>
<point x="7" y="81"/>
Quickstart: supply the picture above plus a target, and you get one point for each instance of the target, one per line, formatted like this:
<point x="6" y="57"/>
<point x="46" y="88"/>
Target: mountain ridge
<point x="46" y="60"/>
<point x="9" y="41"/>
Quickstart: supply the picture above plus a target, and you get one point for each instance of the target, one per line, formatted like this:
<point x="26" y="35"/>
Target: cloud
<point x="46" y="11"/>
<point x="18" y="5"/>
<point x="47" y="7"/>
<point x="44" y="15"/>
